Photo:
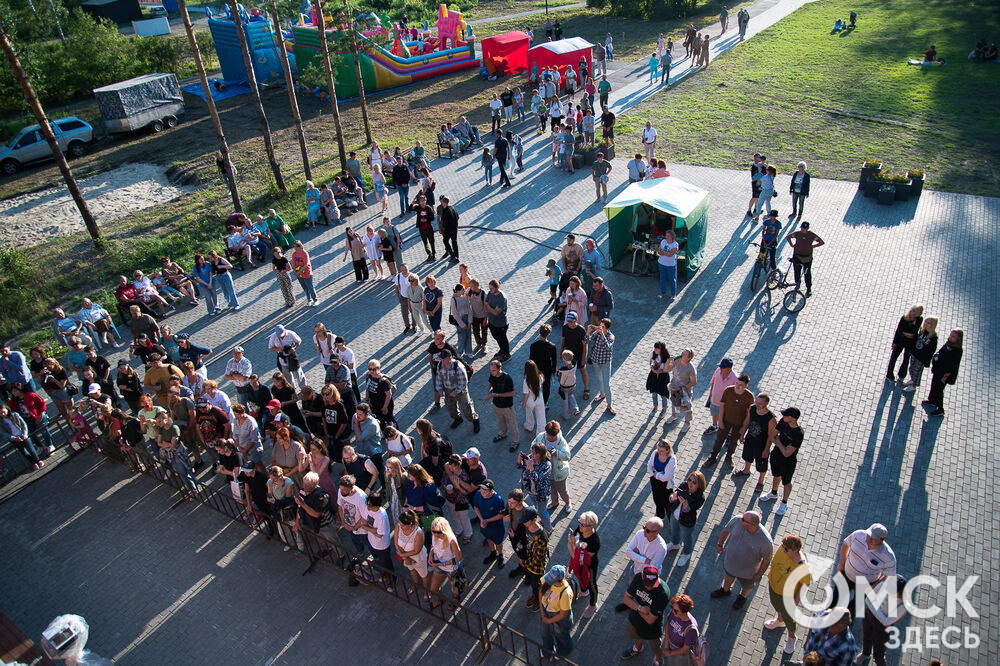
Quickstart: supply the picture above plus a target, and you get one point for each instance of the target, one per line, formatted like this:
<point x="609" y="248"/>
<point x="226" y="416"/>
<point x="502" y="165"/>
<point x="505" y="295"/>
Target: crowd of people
<point x="306" y="461"/>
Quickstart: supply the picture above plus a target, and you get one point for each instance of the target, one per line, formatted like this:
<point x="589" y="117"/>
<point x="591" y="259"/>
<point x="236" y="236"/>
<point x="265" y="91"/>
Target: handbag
<point x="235" y="487"/>
<point x="71" y="388"/>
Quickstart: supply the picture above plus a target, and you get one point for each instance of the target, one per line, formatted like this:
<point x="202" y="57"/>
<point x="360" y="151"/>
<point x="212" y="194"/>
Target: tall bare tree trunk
<point x="62" y="37"/>
<point x="292" y="99"/>
<point x="220" y="137"/>
<point x="361" y="83"/>
<point x="255" y="94"/>
<point x="324" y="49"/>
<point x="43" y="121"/>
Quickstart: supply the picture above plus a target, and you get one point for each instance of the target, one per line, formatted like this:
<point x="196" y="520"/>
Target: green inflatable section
<point x="307" y="53"/>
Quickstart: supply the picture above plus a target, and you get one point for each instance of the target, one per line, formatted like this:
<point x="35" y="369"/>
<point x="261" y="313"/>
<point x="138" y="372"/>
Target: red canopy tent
<point x="562" y="54"/>
<point x="507" y="53"/>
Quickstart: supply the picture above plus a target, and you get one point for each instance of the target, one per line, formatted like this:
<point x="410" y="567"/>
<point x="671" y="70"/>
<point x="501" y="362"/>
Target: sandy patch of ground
<point x="33" y="218"/>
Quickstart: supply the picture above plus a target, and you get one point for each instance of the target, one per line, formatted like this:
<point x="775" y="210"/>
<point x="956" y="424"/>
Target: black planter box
<point x="871" y="188"/>
<point x="886" y="197"/>
<point x="902" y="191"/>
<point x="916" y="187"/>
<point x="577" y="161"/>
<point x="866" y="173"/>
<point x="609" y="152"/>
<point x="589" y="156"/>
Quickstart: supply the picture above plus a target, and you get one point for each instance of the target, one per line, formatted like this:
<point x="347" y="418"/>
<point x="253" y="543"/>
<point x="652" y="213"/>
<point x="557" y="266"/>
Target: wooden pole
<point x="325" y="53"/>
<point x="220" y="137"/>
<point x="357" y="75"/>
<point x="50" y="138"/>
<point x="290" y="84"/>
<point x="255" y="94"/>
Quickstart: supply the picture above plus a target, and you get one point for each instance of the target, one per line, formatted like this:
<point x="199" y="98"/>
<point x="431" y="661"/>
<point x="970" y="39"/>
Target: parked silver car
<point x="30" y="146"/>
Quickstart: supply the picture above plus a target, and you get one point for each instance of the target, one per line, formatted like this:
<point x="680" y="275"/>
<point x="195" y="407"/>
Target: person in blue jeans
<point x="691" y="496"/>
<point x="224" y="279"/>
<point x="769" y="234"/>
<point x="487" y="164"/>
<point x="667" y="263"/>
<point x="556" y="605"/>
<point x="401" y="179"/>
<point x="202" y="272"/>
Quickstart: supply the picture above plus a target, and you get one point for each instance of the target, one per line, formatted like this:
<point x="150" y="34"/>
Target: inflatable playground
<point x="391" y="55"/>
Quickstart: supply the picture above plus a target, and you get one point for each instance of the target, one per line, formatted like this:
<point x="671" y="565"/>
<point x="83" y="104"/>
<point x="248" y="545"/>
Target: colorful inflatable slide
<point x="409" y="61"/>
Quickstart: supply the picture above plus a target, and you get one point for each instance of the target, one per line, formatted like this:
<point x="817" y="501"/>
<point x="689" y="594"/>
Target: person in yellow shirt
<point x="556" y="602"/>
<point x="789" y="562"/>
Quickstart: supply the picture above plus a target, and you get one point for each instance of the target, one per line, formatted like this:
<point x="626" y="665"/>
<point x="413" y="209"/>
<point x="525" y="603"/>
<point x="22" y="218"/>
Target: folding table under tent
<point x="647" y="209"/>
<point x="507" y="53"/>
<point x="562" y="54"/>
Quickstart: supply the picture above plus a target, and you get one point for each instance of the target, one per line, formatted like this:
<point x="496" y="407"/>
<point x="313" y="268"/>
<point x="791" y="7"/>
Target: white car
<point x="30" y="146"/>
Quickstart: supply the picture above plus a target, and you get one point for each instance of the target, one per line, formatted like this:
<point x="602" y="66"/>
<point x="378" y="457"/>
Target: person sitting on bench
<point x="462" y="141"/>
<point x="446" y="138"/>
<point x="354" y="186"/>
<point x="468" y="131"/>
<point x="344" y="197"/>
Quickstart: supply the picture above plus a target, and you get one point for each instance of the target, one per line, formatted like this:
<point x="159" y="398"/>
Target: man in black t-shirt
<point x="573" y="339"/>
<point x="448" y="226"/>
<point x="401" y="179"/>
<point x="314" y="512"/>
<point x="502" y="394"/>
<point x="501" y="150"/>
<point x="648" y="599"/>
<point x="784" y="455"/>
<point x="434" y="359"/>
<point x="425" y="218"/>
<point x="544" y="354"/>
<point x="608" y="125"/>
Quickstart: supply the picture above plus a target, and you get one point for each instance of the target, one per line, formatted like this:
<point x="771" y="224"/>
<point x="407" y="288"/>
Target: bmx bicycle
<point x="761" y="265"/>
<point x="795" y="299"/>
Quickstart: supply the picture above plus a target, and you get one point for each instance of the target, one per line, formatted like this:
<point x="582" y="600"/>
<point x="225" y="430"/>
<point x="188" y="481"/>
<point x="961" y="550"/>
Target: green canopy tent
<point x="648" y="208"/>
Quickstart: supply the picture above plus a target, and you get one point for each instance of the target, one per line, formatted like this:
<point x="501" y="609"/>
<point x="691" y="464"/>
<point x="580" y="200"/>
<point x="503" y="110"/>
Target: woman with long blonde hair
<point x="445" y="561"/>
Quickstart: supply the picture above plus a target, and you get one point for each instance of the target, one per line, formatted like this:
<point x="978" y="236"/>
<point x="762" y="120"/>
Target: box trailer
<point x="152" y="100"/>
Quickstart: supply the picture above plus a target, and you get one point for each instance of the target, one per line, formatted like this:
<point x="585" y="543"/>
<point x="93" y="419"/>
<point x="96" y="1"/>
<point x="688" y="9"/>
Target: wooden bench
<point x="235" y="257"/>
<point x="451" y="150"/>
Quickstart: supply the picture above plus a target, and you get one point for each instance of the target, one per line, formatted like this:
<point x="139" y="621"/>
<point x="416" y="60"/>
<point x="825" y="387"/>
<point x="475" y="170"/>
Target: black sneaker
<point x="630" y="652"/>
<point x="721" y="592"/>
<point x="738" y="602"/>
<point x="516" y="571"/>
<point x="435" y="407"/>
<point x="710" y="462"/>
<point x="457" y="422"/>
<point x="499" y="438"/>
<point x="512" y="448"/>
<point x="475" y="426"/>
<point x="500" y="562"/>
<point x="489" y="558"/>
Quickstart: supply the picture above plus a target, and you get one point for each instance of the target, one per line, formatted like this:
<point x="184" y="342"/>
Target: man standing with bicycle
<point x="803" y="243"/>
<point x="769" y="235"/>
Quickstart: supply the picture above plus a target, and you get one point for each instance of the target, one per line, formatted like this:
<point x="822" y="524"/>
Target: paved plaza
<point x="184" y="586"/>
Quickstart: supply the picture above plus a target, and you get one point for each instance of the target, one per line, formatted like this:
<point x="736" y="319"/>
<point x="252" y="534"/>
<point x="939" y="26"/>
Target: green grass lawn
<point x="798" y="92"/>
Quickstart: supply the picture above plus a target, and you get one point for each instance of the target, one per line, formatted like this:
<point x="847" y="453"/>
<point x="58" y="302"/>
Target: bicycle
<point x="760" y="264"/>
<point x="795" y="299"/>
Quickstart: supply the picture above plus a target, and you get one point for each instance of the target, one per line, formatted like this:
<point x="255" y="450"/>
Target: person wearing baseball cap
<point x="556" y="602"/>
<point x="803" y="243"/>
<point x="647" y="599"/>
<point x="723" y="378"/>
<point x="783" y="457"/>
<point x="489" y="509"/>
<point x="864" y="554"/>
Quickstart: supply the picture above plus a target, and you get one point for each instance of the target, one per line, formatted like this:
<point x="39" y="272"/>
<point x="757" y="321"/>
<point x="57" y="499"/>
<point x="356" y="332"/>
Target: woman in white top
<point x="661" y="466"/>
<point x="444" y="561"/>
<point x="398" y="444"/>
<point x="534" y="406"/>
<point x="373" y="251"/>
<point x="409" y="542"/>
<point x="323" y="341"/>
<point x="555" y="113"/>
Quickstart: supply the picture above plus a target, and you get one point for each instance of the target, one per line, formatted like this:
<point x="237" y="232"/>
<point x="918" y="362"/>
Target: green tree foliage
<point x="656" y="9"/>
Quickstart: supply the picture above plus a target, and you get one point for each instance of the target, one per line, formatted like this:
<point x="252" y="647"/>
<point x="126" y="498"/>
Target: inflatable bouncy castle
<point x="415" y="54"/>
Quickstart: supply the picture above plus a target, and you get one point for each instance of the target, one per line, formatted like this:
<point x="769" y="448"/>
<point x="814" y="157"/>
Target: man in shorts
<point x="759" y="430"/>
<point x="647" y="599"/>
<point x="803" y="243"/>
<point x="745" y="547"/>
<point x="783" y="457"/>
<point x="756" y="171"/>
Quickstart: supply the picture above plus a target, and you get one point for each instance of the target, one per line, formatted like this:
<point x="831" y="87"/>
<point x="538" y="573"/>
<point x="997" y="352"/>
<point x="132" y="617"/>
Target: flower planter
<point x="577" y="161"/>
<point x="916" y="187"/>
<point x="886" y="197"/>
<point x="902" y="191"/>
<point x="589" y="156"/>
<point x="871" y="188"/>
<point x="609" y="151"/>
<point x="866" y="173"/>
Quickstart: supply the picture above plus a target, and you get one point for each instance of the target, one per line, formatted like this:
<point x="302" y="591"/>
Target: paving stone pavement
<point x="161" y="586"/>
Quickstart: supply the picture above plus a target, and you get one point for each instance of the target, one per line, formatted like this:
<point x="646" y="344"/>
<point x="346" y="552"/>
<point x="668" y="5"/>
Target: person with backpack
<point x="584" y="545"/>
<point x="555" y="601"/>
<point x="684" y="643"/>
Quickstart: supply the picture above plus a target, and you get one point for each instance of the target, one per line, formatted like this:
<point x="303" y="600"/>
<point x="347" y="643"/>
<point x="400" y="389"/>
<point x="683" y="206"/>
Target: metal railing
<point x="487" y="631"/>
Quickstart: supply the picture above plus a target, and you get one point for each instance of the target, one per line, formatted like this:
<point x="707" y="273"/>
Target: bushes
<point x="660" y="9"/>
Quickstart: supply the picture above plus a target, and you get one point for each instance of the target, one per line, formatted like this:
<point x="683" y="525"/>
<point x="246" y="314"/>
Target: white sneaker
<point x="683" y="560"/>
<point x="782" y="508"/>
<point x="671" y="418"/>
<point x="909" y="388"/>
<point x="774" y="623"/>
<point x="673" y="546"/>
<point x="567" y="509"/>
<point x="790" y="645"/>
<point x="767" y="497"/>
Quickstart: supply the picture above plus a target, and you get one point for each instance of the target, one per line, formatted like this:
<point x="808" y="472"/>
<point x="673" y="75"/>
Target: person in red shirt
<point x="31" y="407"/>
<point x="126" y="295"/>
